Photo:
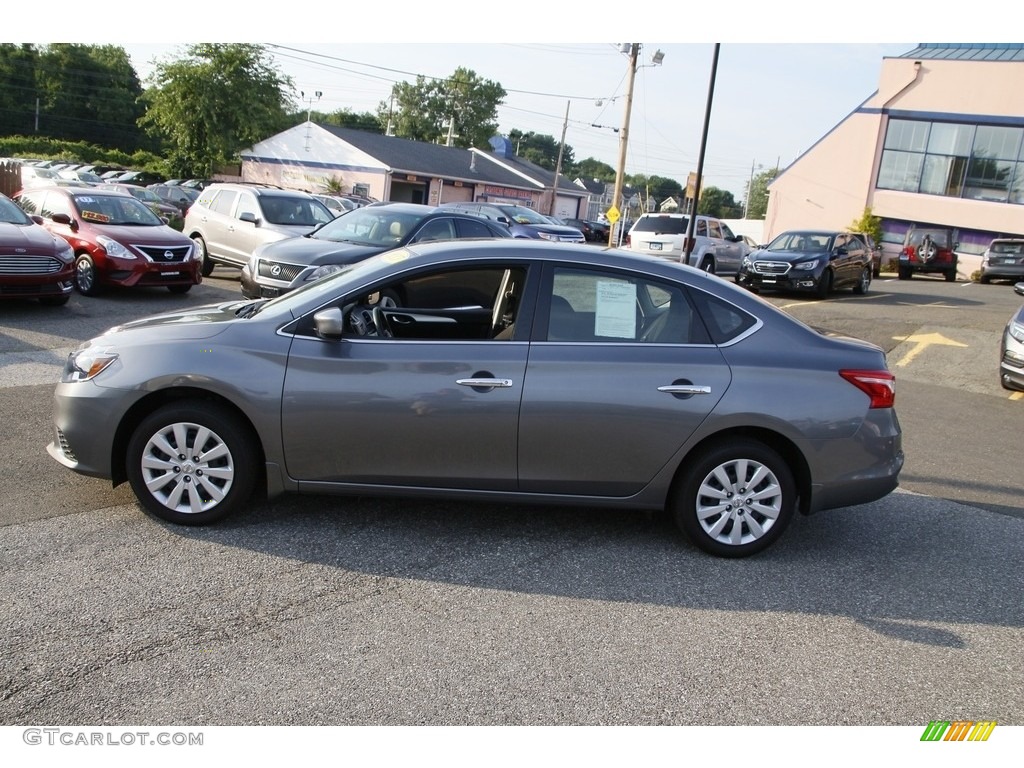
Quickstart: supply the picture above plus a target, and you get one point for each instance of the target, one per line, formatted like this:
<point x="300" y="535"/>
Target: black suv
<point x="928" y="249"/>
<point x="281" y="266"/>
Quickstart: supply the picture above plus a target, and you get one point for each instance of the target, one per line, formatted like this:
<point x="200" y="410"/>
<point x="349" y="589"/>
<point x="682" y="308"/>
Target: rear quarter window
<point x="725" y="322"/>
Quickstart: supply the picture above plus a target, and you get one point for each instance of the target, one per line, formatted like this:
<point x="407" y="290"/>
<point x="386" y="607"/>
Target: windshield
<point x="801" y="241"/>
<point x="662" y="225"/>
<point x="521" y="215"/>
<point x="115" y="209"/>
<point x="295" y="211"/>
<point x="10" y="213"/>
<point x="378" y="225"/>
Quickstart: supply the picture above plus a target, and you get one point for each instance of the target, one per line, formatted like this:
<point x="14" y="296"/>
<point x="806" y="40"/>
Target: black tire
<point x="985" y="279"/>
<point x="180" y="288"/>
<point x="696" y="503"/>
<point x="87" y="282"/>
<point x="951" y="275"/>
<point x="205" y="491"/>
<point x="824" y="285"/>
<point x="707" y="264"/>
<point x="202" y="255"/>
<point x="904" y="273"/>
<point x="864" y="283"/>
<point x="54" y="301"/>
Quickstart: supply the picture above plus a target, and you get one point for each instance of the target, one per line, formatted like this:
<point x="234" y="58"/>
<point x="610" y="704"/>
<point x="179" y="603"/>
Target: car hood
<point x="192" y="323"/>
<point x="790" y="256"/>
<point x="553" y="229"/>
<point x="16" y="239"/>
<point x="140" y="235"/>
<point x="311" y="251"/>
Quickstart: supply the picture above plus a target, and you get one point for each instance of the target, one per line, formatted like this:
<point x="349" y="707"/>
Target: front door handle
<point x="484" y="383"/>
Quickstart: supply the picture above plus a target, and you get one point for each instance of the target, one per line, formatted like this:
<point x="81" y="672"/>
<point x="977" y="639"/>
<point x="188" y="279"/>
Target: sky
<point x="785" y="76"/>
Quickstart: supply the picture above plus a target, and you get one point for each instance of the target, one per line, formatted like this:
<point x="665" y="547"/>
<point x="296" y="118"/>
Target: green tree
<point x="757" y="195"/>
<point x="89" y="93"/>
<point x="361" y="121"/>
<point x="463" y="106"/>
<point x="541" y="149"/>
<point x="215" y="101"/>
<point x="868" y="224"/>
<point x="592" y="168"/>
<point x="18" y="89"/>
<point x="718" y="203"/>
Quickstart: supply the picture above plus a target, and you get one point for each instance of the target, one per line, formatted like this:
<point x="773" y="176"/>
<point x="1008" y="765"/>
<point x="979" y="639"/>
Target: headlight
<point x="64" y="251"/>
<point x="114" y="248"/>
<point x="86" y="364"/>
<point x="324" y="271"/>
<point x="806" y="265"/>
<point x="1017" y="332"/>
<point x="547" y="236"/>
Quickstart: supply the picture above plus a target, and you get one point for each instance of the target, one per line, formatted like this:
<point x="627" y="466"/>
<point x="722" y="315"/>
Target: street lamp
<point x="633" y="49"/>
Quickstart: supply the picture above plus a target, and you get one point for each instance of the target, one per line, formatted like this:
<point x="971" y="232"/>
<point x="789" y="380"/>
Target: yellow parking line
<point x="1017" y="396"/>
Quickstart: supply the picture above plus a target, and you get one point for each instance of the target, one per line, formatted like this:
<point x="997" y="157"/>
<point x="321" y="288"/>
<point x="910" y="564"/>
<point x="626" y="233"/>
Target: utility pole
<point x="634" y="52"/>
<point x="558" y="163"/>
<point x="700" y="157"/>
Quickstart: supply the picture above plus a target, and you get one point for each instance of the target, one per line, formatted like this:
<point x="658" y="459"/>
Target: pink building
<point x="940" y="142"/>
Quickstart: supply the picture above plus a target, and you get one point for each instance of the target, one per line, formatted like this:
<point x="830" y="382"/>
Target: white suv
<point x="715" y="248"/>
<point x="229" y="220"/>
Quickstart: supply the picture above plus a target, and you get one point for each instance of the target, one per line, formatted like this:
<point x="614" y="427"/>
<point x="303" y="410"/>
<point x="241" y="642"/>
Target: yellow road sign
<point x="613" y="214"/>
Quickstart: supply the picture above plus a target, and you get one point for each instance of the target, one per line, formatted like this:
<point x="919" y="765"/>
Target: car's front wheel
<point x="86" y="280"/>
<point x="191" y="463"/>
<point x="180" y="288"/>
<point x="824" y="285"/>
<point x="736" y="499"/>
<point x="202" y="256"/>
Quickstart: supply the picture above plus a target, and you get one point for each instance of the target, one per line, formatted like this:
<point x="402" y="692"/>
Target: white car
<point x="715" y="248"/>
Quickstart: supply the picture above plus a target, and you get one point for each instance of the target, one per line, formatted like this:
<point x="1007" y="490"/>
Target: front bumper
<point x="791" y="281"/>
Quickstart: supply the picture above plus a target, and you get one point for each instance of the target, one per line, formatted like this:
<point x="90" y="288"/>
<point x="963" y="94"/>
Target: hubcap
<point x="739" y="501"/>
<point x="84" y="275"/>
<point x="187" y="467"/>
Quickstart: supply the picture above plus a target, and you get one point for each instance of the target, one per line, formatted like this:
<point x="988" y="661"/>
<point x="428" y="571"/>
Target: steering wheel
<point x="380" y="322"/>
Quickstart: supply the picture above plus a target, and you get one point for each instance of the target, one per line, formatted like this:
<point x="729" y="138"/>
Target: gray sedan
<point x="514" y="370"/>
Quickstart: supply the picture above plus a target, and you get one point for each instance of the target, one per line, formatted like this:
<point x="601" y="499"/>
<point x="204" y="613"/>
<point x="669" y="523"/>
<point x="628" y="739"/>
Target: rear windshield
<point x="938" y="236"/>
<point x="662" y="225"/>
<point x="1007" y="247"/>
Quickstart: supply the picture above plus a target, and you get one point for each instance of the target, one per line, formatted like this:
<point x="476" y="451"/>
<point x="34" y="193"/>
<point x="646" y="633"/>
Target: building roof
<point x="426" y="159"/>
<point x="967" y="51"/>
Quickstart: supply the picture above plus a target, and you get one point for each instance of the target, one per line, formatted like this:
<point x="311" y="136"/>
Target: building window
<point x="974" y="162"/>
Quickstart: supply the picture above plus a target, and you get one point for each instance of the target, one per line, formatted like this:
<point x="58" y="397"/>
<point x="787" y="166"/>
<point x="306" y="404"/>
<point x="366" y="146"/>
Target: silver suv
<point x="715" y="248"/>
<point x="228" y="221"/>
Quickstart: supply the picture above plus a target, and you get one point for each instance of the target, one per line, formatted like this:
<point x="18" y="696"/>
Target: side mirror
<point x="248" y="216"/>
<point x="37" y="219"/>
<point x="63" y="218"/>
<point x="329" y="323"/>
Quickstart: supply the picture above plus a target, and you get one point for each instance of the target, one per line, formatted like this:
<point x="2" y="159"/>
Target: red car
<point x="33" y="262"/>
<point x="928" y="249"/>
<point x="117" y="240"/>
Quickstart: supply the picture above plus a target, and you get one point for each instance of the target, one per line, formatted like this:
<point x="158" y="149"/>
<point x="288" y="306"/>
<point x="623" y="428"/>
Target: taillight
<point x="627" y="241"/>
<point x="880" y="386"/>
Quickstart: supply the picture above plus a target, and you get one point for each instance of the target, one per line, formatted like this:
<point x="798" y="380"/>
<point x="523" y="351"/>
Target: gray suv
<point x="521" y="221"/>
<point x="228" y="221"/>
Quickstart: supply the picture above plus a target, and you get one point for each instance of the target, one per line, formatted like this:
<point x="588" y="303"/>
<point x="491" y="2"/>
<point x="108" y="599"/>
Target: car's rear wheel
<point x="191" y="463"/>
<point x="736" y="499"/>
<point x="202" y="256"/>
<point x="86" y="280"/>
<point x="985" y="279"/>
<point x="708" y="265"/>
<point x="864" y="283"/>
<point x="904" y="273"/>
<point x="951" y="275"/>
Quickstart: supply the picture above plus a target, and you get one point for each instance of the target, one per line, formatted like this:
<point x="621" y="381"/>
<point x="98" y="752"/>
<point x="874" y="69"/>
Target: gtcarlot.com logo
<point x="74" y="738"/>
<point x="958" y="730"/>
